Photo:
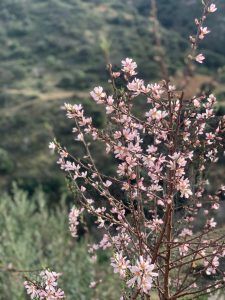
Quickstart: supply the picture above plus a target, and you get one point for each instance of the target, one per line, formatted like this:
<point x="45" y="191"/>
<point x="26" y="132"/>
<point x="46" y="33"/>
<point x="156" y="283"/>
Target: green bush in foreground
<point x="33" y="237"/>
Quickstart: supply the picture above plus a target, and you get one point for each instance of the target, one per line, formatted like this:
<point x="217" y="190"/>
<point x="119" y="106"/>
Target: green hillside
<point x="54" y="51"/>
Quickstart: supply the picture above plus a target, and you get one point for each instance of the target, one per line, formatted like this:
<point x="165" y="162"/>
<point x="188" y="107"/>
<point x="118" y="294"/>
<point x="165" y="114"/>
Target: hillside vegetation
<point x="54" y="51"/>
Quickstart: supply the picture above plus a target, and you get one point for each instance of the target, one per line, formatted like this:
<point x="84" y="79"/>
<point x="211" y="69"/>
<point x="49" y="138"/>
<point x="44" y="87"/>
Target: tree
<point x="162" y="163"/>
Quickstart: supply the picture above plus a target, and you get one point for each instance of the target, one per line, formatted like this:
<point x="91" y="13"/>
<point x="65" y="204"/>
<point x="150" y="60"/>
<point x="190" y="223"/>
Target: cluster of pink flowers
<point x="201" y="31"/>
<point x="73" y="220"/>
<point x="47" y="288"/>
<point x="142" y="274"/>
<point x="120" y="264"/>
<point x="129" y="66"/>
<point x="211" y="267"/>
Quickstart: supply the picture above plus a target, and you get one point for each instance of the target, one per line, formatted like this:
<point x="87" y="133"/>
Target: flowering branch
<point x="162" y="159"/>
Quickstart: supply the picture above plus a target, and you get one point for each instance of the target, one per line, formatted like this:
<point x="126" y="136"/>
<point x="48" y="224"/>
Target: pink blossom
<point x="155" y="224"/>
<point x="186" y="232"/>
<point x="155" y="114"/>
<point x="73" y="220"/>
<point x="196" y="103"/>
<point x="200" y="58"/>
<point x="50" y="280"/>
<point x="120" y="264"/>
<point x="211" y="267"/>
<point x="108" y="183"/>
<point x="196" y="21"/>
<point x="52" y="146"/>
<point x="212" y="8"/>
<point x="137" y="85"/>
<point x="105" y="242"/>
<point x="47" y="288"/>
<point x="156" y="90"/>
<point x="98" y="94"/>
<point x="116" y="74"/>
<point x="117" y="135"/>
<point x="80" y="137"/>
<point x="183" y="249"/>
<point x="129" y="66"/>
<point x="211" y="223"/>
<point x="32" y="290"/>
<point x="59" y="294"/>
<point x="184" y="187"/>
<point x="142" y="274"/>
<point x="110" y="100"/>
<point x="203" y="32"/>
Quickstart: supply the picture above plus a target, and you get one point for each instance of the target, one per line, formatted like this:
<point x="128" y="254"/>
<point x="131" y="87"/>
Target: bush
<point x="33" y="237"/>
<point x="6" y="164"/>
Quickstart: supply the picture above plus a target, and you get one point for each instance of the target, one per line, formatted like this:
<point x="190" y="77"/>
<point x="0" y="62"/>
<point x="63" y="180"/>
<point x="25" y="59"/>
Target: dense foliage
<point x="34" y="237"/>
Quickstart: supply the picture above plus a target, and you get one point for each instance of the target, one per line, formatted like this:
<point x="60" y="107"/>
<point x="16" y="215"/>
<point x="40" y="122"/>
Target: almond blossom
<point x="129" y="66"/>
<point x="120" y="264"/>
<point x="183" y="249"/>
<point x="137" y="85"/>
<point x="73" y="220"/>
<point x="98" y="94"/>
<point x="143" y="274"/>
<point x="212" y="8"/>
<point x="184" y="187"/>
<point x="46" y="288"/>
<point x="211" y="267"/>
<point x="32" y="289"/>
<point x="200" y="58"/>
<point x="52" y="145"/>
<point x="203" y="32"/>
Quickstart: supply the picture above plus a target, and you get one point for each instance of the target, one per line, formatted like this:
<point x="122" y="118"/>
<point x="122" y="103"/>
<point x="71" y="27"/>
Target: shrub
<point x="34" y="237"/>
<point x="6" y="165"/>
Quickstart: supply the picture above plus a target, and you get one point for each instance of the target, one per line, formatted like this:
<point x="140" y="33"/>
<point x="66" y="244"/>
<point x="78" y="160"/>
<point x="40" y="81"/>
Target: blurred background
<point x="56" y="51"/>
